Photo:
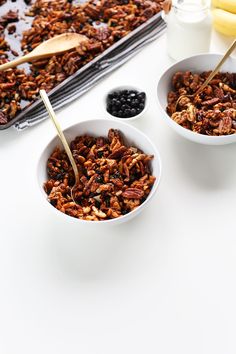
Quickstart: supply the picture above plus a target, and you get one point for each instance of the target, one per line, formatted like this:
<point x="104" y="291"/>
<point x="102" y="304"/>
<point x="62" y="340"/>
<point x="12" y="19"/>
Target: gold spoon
<point x="61" y="135"/>
<point x="52" y="46"/>
<point x="211" y="76"/>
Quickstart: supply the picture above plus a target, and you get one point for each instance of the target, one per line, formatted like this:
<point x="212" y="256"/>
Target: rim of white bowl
<point x="120" y="218"/>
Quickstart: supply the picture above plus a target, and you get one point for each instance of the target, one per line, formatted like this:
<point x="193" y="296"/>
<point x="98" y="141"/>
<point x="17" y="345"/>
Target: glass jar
<point x="188" y="28"/>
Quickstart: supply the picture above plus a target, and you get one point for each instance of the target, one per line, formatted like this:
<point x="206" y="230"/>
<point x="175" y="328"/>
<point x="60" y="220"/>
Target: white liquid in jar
<point x="188" y="31"/>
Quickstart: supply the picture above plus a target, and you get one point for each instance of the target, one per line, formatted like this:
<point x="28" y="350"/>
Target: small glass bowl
<point x="122" y="88"/>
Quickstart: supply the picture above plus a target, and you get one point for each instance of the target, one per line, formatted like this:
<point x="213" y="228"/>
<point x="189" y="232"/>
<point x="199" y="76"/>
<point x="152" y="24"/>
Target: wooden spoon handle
<point x="217" y="68"/>
<point x="14" y="63"/>
<point x="60" y="133"/>
<point x="166" y="6"/>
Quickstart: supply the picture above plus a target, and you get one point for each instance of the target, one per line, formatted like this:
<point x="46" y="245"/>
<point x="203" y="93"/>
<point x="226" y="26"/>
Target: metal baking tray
<point x="87" y="76"/>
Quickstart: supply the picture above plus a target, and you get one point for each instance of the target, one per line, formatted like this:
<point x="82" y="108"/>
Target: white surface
<point x="197" y="63"/>
<point x="163" y="283"/>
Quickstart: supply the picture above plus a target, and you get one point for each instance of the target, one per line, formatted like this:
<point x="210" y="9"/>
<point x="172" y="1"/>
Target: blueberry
<point x="59" y="176"/>
<point x="128" y="112"/>
<point x="123" y="99"/>
<point x="134" y="103"/>
<point x="97" y="204"/>
<point x="100" y="154"/>
<point x="114" y="113"/>
<point x="116" y="175"/>
<point x="118" y="103"/>
<point x="141" y="106"/>
<point x="110" y="96"/>
<point x="133" y="112"/>
<point x="115" y="94"/>
<point x="99" y="179"/>
<point x="53" y="202"/>
<point x="120" y="113"/>
<point x="142" y="96"/>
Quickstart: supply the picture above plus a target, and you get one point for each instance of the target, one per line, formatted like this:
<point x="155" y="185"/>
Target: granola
<point x="213" y="111"/>
<point x="114" y="178"/>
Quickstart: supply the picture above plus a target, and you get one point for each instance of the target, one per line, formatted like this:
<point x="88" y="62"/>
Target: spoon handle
<point x="14" y="63"/>
<point x="61" y="135"/>
<point x="217" y="68"/>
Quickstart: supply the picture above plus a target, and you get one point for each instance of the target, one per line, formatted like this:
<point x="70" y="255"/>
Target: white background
<point x="161" y="283"/>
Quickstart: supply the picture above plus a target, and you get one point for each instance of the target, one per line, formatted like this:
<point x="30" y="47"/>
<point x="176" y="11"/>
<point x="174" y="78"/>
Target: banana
<point x="227" y="5"/>
<point x="224" y="22"/>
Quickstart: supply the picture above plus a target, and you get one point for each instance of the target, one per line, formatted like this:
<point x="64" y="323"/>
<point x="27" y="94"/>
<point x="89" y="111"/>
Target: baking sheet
<point x="87" y="76"/>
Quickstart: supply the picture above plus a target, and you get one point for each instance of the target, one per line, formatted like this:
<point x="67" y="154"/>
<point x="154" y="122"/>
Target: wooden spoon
<point x="52" y="46"/>
<point x="211" y="76"/>
<point x="61" y="135"/>
<point x="166" y="6"/>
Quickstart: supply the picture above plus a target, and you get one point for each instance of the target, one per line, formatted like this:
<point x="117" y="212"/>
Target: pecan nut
<point x="133" y="193"/>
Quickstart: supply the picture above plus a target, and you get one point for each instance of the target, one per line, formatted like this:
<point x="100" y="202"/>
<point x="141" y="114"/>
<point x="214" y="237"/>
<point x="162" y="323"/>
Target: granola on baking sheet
<point x="104" y="22"/>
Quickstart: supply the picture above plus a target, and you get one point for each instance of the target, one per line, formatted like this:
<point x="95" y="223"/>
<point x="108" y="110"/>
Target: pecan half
<point x="133" y="193"/>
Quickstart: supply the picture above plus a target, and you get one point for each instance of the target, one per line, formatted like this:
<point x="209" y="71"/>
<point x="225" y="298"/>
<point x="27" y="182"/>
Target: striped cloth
<point x="86" y="77"/>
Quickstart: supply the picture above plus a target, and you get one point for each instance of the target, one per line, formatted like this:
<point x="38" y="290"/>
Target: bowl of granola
<point x="119" y="167"/>
<point x="206" y="118"/>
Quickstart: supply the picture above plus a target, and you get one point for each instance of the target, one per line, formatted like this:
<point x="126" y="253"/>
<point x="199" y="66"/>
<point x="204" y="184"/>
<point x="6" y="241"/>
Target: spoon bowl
<point x="52" y="46"/>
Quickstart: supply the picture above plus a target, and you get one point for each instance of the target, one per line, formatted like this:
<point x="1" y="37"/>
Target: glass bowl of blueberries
<point x="126" y="102"/>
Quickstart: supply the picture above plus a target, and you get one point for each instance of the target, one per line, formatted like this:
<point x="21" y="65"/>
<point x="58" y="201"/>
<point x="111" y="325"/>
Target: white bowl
<point x="197" y="63"/>
<point x="100" y="127"/>
<point x="121" y="88"/>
